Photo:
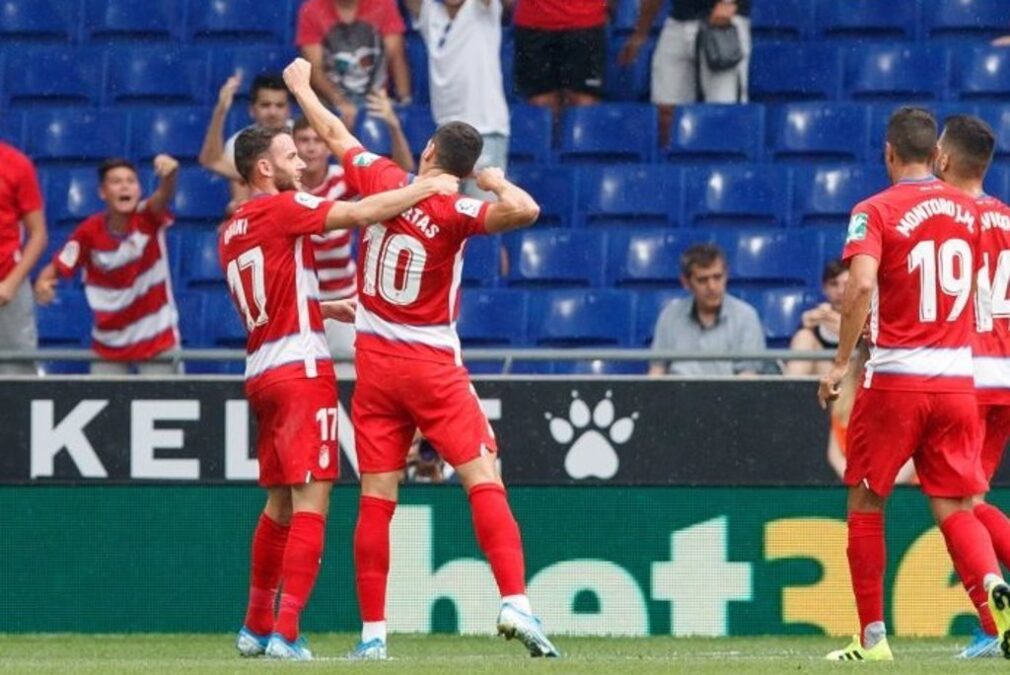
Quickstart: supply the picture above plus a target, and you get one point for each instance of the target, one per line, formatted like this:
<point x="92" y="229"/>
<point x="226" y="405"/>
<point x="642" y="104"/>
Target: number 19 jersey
<point x="924" y="234"/>
<point x="266" y="254"/>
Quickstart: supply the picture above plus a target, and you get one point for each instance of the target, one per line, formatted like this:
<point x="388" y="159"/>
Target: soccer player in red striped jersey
<point x="965" y="152"/>
<point x="912" y="256"/>
<point x="125" y="262"/>
<point x="269" y="265"/>
<point x="410" y="374"/>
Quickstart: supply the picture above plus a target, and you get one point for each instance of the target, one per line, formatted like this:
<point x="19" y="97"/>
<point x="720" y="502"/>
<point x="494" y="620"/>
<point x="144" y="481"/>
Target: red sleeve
<point x="469" y="216"/>
<point x="368" y="173"/>
<point x="865" y="236"/>
<point x="300" y="213"/>
<point x="73" y="253"/>
<point x="29" y="196"/>
<point x="386" y="17"/>
<point x="311" y="25"/>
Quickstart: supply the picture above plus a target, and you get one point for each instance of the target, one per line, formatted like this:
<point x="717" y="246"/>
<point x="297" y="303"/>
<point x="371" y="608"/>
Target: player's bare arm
<point x="212" y="152"/>
<point x="515" y="207"/>
<point x="45" y="285"/>
<point x="329" y="127"/>
<point x="387" y="205"/>
<point x="855" y="309"/>
<point x="166" y="168"/>
<point x="339" y="310"/>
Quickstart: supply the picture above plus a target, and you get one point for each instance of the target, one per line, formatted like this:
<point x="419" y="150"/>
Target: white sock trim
<point x="370" y="630"/>
<point x="520" y="602"/>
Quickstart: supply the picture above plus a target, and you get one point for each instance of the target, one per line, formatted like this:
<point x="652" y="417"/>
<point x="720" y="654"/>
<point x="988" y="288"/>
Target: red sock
<point x="998" y="525"/>
<point x="971" y="551"/>
<point x="268" y="545"/>
<point x="301" y="566"/>
<point x="371" y="555"/>
<point x="498" y="537"/>
<point x="867" y="558"/>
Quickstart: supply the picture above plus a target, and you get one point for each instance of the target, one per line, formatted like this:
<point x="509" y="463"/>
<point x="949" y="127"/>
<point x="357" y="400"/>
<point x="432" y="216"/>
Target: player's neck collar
<point x="924" y="179"/>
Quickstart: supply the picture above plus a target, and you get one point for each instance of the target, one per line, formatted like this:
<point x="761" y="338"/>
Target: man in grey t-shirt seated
<point x="708" y="321"/>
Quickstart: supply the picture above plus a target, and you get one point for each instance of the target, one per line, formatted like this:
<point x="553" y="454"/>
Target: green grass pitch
<point x="449" y="655"/>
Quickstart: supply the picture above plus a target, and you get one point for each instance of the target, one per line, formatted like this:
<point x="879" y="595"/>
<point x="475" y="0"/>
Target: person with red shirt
<point x="912" y="256"/>
<point x="126" y="277"/>
<point x="350" y="43"/>
<point x="560" y="51"/>
<point x="21" y="209"/>
<point x="290" y="383"/>
<point x="410" y="372"/>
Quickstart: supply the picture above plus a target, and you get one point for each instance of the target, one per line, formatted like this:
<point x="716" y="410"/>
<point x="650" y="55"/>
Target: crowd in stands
<point x="696" y="227"/>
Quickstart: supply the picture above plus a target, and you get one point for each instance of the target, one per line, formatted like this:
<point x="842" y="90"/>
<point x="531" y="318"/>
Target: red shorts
<point x="994" y="433"/>
<point x="297" y="431"/>
<point x="394" y="396"/>
<point x="937" y="430"/>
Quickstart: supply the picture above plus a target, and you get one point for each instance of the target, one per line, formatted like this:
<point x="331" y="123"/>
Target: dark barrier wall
<point x="631" y="561"/>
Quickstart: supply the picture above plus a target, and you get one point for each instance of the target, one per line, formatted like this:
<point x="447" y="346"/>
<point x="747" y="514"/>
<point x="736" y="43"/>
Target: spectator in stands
<point x="21" y="206"/>
<point x="710" y="320"/>
<point x="465" y="74"/>
<point x="679" y="72"/>
<point x="269" y="107"/>
<point x="820" y="325"/>
<point x="350" y="43"/>
<point x="126" y="279"/>
<point x="560" y="51"/>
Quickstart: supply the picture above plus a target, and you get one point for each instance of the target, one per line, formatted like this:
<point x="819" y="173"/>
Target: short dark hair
<point x="301" y="123"/>
<point x="457" y="148"/>
<point x="972" y="141"/>
<point x="700" y="255"/>
<point x="252" y="144"/>
<point x="115" y="163"/>
<point x="272" y="81"/>
<point x="832" y="270"/>
<point x="912" y="133"/>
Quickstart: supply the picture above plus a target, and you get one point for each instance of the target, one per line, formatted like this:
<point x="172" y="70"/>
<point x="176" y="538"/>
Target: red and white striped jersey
<point x="410" y="267"/>
<point x="924" y="233"/>
<point x="334" y="262"/>
<point x="992" y="343"/>
<point x="127" y="284"/>
<point x="268" y="262"/>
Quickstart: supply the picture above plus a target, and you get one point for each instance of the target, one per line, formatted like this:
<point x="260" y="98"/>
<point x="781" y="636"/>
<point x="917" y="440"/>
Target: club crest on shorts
<point x="324" y="457"/>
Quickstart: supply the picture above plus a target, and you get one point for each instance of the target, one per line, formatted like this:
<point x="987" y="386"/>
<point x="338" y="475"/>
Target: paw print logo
<point x="592" y="454"/>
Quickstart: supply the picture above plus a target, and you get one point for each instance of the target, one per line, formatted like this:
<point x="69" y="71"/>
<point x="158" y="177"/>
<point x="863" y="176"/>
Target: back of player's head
<point x="269" y="81"/>
<point x="832" y="270"/>
<point x="457" y="148"/>
<point x="970" y="143"/>
<point x="252" y="144"/>
<point x="114" y="163"/>
<point x="700" y="255"/>
<point x="911" y="133"/>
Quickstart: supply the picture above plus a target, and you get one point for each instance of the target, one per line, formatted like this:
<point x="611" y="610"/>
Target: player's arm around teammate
<point x="515" y="207"/>
<point x="386" y="205"/>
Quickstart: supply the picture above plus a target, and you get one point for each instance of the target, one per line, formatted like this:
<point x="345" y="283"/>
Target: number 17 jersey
<point x="924" y="234"/>
<point x="266" y="254"/>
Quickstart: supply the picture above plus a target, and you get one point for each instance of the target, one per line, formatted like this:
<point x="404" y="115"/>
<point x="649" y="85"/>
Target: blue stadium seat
<point x="492" y="318"/>
<point x="982" y="73"/>
<point x="819" y="132"/>
<point x="885" y="72"/>
<point x="12" y="128"/>
<point x="965" y="19"/>
<point x="193" y="321"/>
<point x="644" y="194"/>
<point x="556" y="257"/>
<point x="881" y="113"/>
<point x="699" y="133"/>
<point x="829" y="243"/>
<point x="866" y="19"/>
<point x="761" y="258"/>
<point x="200" y="196"/>
<point x="176" y="76"/>
<point x="70" y="135"/>
<point x="374" y="134"/>
<point x="508" y="65"/>
<point x="781" y="311"/>
<point x="734" y="195"/>
<point x="781" y="19"/>
<point x="646" y="258"/>
<point x="201" y="266"/>
<point x="997" y="181"/>
<point x="418" y="126"/>
<point x="647" y="310"/>
<point x="66" y="322"/>
<point x="71" y="195"/>
<point x="600" y="367"/>
<point x="238" y="20"/>
<point x="631" y="82"/>
<point x="530" y="139"/>
<point x="626" y="15"/>
<point x="825" y="195"/>
<point x="481" y="261"/>
<point x="248" y="61"/>
<point x="53" y="76"/>
<point x="575" y="317"/>
<point x="39" y="21"/>
<point x="553" y="187"/>
<point x="226" y="329"/>
<point x="417" y="59"/>
<point x="998" y="117"/>
<point x="128" y="20"/>
<point x="794" y="72"/>
<point x="176" y="131"/>
<point x="609" y="132"/>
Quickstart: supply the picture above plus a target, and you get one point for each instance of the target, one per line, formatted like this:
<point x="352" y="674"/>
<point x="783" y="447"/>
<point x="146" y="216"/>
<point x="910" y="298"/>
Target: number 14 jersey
<point x="924" y="234"/>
